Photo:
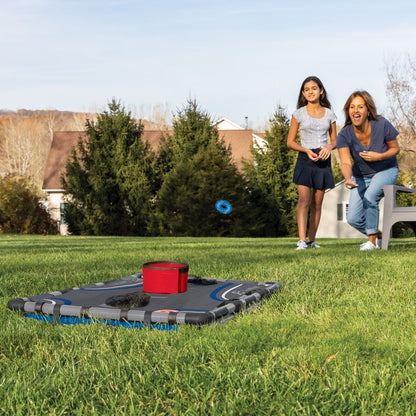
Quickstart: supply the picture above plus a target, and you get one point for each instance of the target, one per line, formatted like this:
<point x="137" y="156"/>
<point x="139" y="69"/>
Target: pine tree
<point x="109" y="178"/>
<point x="193" y="129"/>
<point x="272" y="175"/>
<point x="198" y="172"/>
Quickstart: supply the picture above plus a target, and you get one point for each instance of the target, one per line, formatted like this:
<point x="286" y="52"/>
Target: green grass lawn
<point x="338" y="339"/>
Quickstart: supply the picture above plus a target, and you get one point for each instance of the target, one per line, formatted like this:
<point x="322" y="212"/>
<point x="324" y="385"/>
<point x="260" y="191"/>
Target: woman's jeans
<point x="363" y="210"/>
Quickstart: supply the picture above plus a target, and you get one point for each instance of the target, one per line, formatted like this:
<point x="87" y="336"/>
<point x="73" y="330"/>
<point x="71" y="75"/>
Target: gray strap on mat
<point x="147" y="319"/>
<point x="56" y="314"/>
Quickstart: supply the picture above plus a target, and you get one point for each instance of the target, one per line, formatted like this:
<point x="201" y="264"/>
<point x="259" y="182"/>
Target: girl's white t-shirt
<point x="314" y="131"/>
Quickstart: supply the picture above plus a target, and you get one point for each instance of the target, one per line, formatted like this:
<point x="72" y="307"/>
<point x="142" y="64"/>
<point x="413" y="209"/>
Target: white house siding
<point x="333" y="227"/>
<point x="53" y="202"/>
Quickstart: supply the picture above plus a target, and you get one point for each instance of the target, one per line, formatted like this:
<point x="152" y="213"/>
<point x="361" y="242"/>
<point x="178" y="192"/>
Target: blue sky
<point x="236" y="58"/>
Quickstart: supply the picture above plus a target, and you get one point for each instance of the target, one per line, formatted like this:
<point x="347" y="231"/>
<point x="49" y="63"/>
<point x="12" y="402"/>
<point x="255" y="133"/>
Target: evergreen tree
<point x="336" y="169"/>
<point x="272" y="175"/>
<point x="198" y="172"/>
<point x="109" y="178"/>
<point x="264" y="205"/>
<point x="186" y="201"/>
<point x="193" y="129"/>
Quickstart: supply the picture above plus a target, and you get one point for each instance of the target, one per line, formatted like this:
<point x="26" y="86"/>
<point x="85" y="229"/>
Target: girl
<point x="314" y="120"/>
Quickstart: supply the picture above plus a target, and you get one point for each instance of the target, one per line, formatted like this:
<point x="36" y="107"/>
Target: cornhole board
<point x="206" y="301"/>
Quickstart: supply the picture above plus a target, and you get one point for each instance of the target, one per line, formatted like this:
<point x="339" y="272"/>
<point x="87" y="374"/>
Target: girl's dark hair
<point x="323" y="99"/>
<point x="369" y="102"/>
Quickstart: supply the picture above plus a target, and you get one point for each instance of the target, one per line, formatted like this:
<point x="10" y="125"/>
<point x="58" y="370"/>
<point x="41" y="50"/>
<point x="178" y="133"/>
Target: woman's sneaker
<point x="312" y="244"/>
<point x="368" y="245"/>
<point x="302" y="245"/>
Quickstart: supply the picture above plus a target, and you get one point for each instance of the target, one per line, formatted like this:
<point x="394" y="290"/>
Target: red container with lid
<point x="165" y="277"/>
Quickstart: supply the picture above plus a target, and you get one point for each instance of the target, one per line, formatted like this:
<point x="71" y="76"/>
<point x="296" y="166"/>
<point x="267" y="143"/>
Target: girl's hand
<point x="324" y="153"/>
<point x="312" y="155"/>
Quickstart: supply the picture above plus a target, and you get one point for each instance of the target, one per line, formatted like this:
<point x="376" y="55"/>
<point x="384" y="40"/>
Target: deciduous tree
<point x="20" y="208"/>
<point x="401" y="92"/>
<point x="24" y="147"/>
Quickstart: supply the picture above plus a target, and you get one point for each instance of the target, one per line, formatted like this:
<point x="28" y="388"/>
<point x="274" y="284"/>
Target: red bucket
<point x="165" y="277"/>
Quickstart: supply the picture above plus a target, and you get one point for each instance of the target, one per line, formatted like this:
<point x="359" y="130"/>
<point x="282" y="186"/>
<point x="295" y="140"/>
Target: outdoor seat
<point x="393" y="213"/>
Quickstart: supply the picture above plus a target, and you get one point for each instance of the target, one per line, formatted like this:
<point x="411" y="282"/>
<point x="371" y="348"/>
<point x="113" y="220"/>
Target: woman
<point x="314" y="120"/>
<point x="371" y="141"/>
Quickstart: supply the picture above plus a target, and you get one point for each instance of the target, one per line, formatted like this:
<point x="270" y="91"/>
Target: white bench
<point x="392" y="213"/>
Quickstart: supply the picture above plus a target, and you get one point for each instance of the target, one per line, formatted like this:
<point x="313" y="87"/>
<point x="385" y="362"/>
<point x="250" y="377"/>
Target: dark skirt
<point x="316" y="175"/>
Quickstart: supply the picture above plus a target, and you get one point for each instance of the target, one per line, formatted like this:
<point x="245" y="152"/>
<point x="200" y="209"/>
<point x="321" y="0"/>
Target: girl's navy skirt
<point x="316" y="175"/>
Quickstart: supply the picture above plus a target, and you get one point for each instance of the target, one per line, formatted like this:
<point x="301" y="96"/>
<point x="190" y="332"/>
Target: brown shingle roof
<point x="63" y="141"/>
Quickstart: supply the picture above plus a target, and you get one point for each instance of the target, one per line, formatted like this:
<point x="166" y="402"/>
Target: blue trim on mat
<point x="69" y="320"/>
<point x="102" y="289"/>
<point x="214" y="293"/>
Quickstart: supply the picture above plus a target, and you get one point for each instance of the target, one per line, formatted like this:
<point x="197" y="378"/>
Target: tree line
<point x="116" y="185"/>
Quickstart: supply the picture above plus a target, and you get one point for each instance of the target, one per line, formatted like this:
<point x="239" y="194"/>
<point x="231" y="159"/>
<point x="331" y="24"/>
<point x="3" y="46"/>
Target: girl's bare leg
<point x="316" y="209"/>
<point x="303" y="208"/>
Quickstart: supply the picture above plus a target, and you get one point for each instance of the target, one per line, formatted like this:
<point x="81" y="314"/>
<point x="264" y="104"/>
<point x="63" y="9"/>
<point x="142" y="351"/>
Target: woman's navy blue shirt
<point x="382" y="131"/>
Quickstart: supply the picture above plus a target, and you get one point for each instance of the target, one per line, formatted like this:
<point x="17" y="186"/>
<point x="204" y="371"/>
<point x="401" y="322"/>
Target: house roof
<point x="240" y="142"/>
<point x="61" y="146"/>
<point x="225" y="124"/>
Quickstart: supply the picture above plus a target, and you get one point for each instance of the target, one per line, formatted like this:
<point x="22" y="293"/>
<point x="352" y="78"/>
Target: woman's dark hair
<point x="369" y="102"/>
<point x="323" y="99"/>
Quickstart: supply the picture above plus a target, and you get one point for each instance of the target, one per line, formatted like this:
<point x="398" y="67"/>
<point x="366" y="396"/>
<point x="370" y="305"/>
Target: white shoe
<point x="301" y="245"/>
<point x="378" y="242"/>
<point x="368" y="246"/>
<point x="313" y="245"/>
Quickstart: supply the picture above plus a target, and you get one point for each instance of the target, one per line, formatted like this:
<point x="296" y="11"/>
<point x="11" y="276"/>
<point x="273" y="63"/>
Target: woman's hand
<point x="350" y="184"/>
<point x="370" y="156"/>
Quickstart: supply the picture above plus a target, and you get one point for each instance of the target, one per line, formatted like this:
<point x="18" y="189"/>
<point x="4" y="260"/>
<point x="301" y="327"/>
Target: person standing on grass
<point x="314" y="120"/>
<point x="371" y="141"/>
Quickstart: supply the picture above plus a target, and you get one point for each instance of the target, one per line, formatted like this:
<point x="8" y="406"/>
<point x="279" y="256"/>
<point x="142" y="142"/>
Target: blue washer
<point x="224" y="207"/>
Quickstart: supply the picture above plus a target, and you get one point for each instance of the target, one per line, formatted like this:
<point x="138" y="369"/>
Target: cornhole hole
<point x="122" y="302"/>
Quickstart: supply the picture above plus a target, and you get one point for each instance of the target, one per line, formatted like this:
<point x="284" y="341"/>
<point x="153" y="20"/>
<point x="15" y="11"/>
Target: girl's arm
<point x="346" y="167"/>
<point x="326" y="151"/>
<point x="291" y="140"/>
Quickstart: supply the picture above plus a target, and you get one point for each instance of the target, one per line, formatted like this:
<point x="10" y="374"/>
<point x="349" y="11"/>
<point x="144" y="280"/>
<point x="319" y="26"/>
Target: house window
<point x="61" y="212"/>
<point x="342" y="210"/>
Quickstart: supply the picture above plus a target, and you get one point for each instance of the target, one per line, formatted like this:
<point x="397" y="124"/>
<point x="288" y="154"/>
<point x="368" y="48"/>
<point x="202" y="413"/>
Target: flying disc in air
<point x="224" y="207"/>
